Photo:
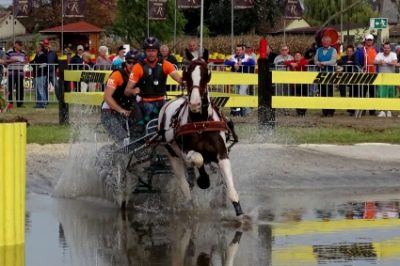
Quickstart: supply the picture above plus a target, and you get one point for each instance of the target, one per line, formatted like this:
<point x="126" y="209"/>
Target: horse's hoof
<point x="123" y="206"/>
<point x="238" y="208"/>
<point x="203" y="182"/>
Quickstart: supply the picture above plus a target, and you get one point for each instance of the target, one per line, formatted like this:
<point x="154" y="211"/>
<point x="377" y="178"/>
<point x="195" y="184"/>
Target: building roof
<point x="280" y="23"/>
<point x="80" y="26"/>
<point x="4" y="15"/>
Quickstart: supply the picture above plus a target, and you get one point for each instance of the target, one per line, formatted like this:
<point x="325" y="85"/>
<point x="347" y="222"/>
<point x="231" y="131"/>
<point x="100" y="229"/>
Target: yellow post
<point x="12" y="192"/>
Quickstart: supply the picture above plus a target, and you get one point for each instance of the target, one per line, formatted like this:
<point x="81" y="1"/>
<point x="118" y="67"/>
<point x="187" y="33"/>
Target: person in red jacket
<point x="299" y="63"/>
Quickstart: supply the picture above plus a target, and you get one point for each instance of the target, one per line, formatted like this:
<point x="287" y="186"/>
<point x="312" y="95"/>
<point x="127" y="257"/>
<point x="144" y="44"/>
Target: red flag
<point x="293" y="9"/>
<point x="157" y="9"/>
<point x="188" y="4"/>
<point x="22" y="8"/>
<point x="74" y="8"/>
<point x="243" y="4"/>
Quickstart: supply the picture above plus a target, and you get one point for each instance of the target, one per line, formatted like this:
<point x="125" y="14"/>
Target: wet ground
<point x="309" y="205"/>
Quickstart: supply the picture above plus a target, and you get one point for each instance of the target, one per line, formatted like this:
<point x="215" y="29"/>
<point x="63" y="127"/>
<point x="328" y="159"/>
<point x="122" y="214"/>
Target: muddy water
<point x="307" y="206"/>
<point x="345" y="232"/>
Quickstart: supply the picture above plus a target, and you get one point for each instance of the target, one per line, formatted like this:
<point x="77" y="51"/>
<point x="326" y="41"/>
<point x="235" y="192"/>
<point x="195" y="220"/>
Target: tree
<point x="47" y="13"/>
<point x="131" y="22"/>
<point x="317" y="12"/>
<point x="258" y="19"/>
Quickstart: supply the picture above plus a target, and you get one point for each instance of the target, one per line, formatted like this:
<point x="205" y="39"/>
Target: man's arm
<point x="175" y="76"/>
<point x="134" y="77"/>
<point x="130" y="89"/>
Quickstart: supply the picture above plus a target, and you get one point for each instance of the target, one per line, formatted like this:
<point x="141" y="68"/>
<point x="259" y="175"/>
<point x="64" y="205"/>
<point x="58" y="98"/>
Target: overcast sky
<point x="5" y="3"/>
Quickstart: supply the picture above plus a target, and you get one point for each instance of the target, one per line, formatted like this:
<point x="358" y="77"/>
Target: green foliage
<point x="131" y="22"/>
<point x="318" y="11"/>
<point x="264" y="14"/>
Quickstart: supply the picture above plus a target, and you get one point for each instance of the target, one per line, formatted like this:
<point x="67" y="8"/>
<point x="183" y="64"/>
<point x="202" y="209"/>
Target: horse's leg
<point x="197" y="159"/>
<point x="178" y="168"/>
<point x="226" y="170"/>
<point x="204" y="180"/>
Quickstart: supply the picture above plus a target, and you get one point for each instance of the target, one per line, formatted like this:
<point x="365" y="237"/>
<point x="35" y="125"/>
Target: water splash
<point x="79" y="178"/>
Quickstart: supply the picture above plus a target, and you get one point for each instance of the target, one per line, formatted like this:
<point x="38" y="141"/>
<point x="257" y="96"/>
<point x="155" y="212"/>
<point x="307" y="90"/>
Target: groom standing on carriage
<point x="116" y="110"/>
<point x="148" y="80"/>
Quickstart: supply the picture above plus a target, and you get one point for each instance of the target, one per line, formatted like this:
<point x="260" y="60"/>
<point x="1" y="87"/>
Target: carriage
<point x="190" y="131"/>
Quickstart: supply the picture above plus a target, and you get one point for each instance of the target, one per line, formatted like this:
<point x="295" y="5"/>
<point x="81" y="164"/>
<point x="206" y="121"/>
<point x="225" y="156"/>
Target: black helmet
<point x="131" y="55"/>
<point x="151" y="43"/>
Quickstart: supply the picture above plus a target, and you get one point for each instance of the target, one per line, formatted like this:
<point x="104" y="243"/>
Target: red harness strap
<point x="200" y="127"/>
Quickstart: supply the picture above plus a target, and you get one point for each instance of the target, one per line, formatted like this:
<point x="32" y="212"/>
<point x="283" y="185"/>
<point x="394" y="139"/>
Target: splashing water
<point x="79" y="178"/>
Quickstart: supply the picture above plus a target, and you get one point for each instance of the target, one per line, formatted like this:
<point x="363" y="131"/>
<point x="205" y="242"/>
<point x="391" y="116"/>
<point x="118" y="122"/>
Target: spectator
<point x="16" y="59"/>
<point x="2" y="63"/>
<point x="240" y="62"/>
<point x="40" y="68"/>
<point x="119" y="59"/>
<point x="283" y="56"/>
<point x="298" y="64"/>
<point x="77" y="60"/>
<point x="365" y="57"/>
<point x="397" y="49"/>
<point x="386" y="62"/>
<point x="325" y="61"/>
<point x="88" y="64"/>
<point x="76" y="63"/>
<point x="192" y="52"/>
<point x="102" y="61"/>
<point x="279" y="63"/>
<point x="310" y="53"/>
<point x="348" y="64"/>
<point x="271" y="55"/>
<point x="166" y="55"/>
<point x="52" y="60"/>
<point x="250" y="52"/>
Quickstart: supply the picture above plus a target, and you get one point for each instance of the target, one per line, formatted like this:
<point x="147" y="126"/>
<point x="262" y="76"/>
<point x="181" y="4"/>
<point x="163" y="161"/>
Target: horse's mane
<point x="205" y="76"/>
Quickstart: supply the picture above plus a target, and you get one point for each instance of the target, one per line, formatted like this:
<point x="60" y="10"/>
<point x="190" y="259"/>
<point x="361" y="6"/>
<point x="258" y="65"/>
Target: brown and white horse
<point x="194" y="133"/>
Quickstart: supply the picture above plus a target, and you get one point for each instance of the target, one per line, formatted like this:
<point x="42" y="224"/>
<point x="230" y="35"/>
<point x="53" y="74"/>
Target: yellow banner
<point x="217" y="77"/>
<point x="299" y="77"/>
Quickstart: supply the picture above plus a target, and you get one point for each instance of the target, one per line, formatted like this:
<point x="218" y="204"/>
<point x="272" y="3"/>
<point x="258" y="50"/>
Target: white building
<point x="6" y="26"/>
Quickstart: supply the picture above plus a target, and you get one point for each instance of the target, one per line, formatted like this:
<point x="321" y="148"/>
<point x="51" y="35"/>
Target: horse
<point x="194" y="133"/>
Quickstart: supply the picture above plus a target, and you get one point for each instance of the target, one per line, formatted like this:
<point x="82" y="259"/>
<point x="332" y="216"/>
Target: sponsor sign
<point x="157" y="9"/>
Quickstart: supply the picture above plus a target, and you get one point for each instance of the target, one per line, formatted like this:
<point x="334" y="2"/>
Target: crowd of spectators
<point x="323" y="57"/>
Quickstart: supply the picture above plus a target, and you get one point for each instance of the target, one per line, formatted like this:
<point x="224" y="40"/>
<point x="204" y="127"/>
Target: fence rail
<point x="292" y="89"/>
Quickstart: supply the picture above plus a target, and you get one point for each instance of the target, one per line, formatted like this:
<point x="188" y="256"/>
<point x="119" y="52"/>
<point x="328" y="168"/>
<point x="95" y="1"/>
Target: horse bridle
<point x="204" y="98"/>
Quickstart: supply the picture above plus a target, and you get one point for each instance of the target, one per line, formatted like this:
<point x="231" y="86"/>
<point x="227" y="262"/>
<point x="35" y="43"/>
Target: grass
<point x="48" y="134"/>
<point x="340" y="135"/>
<point x="320" y="135"/>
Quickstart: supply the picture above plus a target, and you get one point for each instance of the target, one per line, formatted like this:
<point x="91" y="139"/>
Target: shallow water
<point x="307" y="207"/>
<point x="318" y="232"/>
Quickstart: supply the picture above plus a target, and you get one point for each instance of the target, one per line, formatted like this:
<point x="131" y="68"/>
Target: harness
<point x="202" y="126"/>
<point x="153" y="81"/>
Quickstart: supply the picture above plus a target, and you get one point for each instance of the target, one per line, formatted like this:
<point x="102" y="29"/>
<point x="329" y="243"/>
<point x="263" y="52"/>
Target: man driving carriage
<point x="148" y="80"/>
<point x="117" y="108"/>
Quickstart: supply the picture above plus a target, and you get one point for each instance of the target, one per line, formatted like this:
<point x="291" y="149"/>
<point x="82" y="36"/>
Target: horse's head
<point x="196" y="77"/>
